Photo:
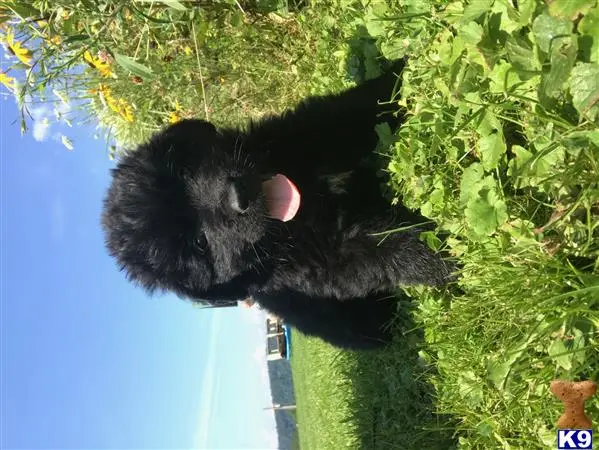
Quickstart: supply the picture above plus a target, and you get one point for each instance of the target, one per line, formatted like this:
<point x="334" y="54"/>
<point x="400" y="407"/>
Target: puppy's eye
<point x="200" y="242"/>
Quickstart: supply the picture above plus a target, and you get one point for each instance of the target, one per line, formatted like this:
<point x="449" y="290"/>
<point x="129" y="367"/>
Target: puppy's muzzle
<point x="243" y="191"/>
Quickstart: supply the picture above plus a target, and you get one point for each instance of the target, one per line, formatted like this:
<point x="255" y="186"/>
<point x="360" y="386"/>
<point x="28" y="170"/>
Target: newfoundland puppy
<point x="288" y="211"/>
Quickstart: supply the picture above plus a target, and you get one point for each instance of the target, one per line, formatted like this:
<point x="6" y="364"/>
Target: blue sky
<point x="87" y="359"/>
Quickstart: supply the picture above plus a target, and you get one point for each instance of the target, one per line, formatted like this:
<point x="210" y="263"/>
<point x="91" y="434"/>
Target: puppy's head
<point x="186" y="212"/>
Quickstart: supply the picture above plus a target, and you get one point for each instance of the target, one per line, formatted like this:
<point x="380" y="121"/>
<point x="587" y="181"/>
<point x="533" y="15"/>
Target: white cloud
<point x="44" y="118"/>
<point x="41" y="129"/>
<point x="41" y="123"/>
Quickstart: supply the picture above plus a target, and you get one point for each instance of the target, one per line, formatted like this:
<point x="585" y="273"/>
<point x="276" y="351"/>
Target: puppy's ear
<point x="190" y="131"/>
<point x="183" y="143"/>
<point x="191" y="128"/>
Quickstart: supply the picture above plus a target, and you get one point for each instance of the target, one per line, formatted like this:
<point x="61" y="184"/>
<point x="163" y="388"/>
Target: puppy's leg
<point x="362" y="265"/>
<point x="383" y="262"/>
<point x="362" y="323"/>
<point x="327" y="134"/>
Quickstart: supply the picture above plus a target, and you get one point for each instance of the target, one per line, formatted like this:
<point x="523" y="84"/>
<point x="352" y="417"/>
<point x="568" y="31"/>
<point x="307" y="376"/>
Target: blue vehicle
<point x="287" y="334"/>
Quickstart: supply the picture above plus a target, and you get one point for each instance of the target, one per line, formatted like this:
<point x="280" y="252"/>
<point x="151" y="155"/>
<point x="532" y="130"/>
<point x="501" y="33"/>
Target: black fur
<point x="185" y="214"/>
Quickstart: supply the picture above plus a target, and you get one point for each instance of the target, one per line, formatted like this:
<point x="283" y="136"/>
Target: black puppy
<point x="284" y="212"/>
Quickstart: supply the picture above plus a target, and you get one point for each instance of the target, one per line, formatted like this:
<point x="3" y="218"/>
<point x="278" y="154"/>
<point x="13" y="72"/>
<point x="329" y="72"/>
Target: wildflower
<point x="118" y="105"/>
<point x="16" y="48"/>
<point x="100" y="90"/>
<point x="187" y="50"/>
<point x="174" y="117"/>
<point x="55" y="40"/>
<point x="98" y="64"/>
<point x="125" y="110"/>
<point x="7" y="81"/>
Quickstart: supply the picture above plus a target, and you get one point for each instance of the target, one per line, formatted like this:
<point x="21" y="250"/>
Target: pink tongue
<point x="282" y="197"/>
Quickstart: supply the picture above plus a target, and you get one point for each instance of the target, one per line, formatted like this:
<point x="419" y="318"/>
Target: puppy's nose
<point x="239" y="204"/>
<point x="242" y="191"/>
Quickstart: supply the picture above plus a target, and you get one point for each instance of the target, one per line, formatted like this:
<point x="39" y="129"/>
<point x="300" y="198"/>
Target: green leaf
<point x="527" y="9"/>
<point x="21" y="9"/>
<point x="174" y="4"/>
<point x="558" y="351"/>
<point x="570" y="9"/>
<point x="470" y="388"/>
<point x="471" y="33"/>
<point x="591" y="136"/>
<point x="520" y="53"/>
<point x="584" y="87"/>
<point x="489" y="123"/>
<point x="497" y="372"/>
<point x="453" y="12"/>
<point x="475" y="9"/>
<point x="450" y="49"/>
<point x="431" y="240"/>
<point x="492" y="148"/>
<point x="546" y="28"/>
<point x="470" y="182"/>
<point x="563" y="57"/>
<point x="518" y="164"/>
<point x="503" y="77"/>
<point x="411" y="6"/>
<point x="386" y="137"/>
<point x="393" y="48"/>
<point x="76" y="38"/>
<point x="485" y="213"/>
<point x="509" y="17"/>
<point x="589" y="28"/>
<point x="132" y="66"/>
<point x="480" y="217"/>
<point x="375" y="24"/>
<point x="501" y="215"/>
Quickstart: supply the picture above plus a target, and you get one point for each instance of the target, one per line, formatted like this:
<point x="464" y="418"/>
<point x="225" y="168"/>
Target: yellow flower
<point x="102" y="90"/>
<point x="118" y="105"/>
<point x="15" y="47"/>
<point x="98" y="64"/>
<point x="187" y="50"/>
<point x="174" y="117"/>
<point x="7" y="81"/>
<point x="55" y="40"/>
<point x="125" y="110"/>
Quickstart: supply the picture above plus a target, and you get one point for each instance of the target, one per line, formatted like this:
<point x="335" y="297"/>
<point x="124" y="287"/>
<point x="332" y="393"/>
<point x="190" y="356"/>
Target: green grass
<point x="366" y="399"/>
<point x="500" y="147"/>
